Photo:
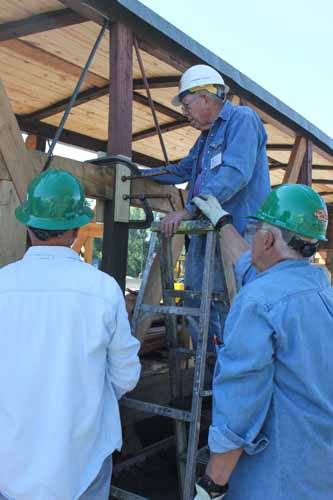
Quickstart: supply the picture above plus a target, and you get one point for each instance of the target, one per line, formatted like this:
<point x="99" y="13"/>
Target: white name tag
<point x="216" y="160"/>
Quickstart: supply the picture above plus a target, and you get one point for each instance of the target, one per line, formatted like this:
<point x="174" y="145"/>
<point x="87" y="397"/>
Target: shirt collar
<point x="285" y="264"/>
<point x="225" y="111"/>
<point x="52" y="251"/>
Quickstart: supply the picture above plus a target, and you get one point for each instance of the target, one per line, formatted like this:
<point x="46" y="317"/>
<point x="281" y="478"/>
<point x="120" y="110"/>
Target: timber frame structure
<point x="43" y="48"/>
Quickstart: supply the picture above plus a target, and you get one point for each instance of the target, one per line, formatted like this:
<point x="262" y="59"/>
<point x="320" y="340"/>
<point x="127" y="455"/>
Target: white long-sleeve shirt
<point x="66" y="357"/>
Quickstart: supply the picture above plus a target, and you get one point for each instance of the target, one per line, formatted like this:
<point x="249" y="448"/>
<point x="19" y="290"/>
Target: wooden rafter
<point x="166" y="127"/>
<point x="295" y="161"/>
<point x="97" y="92"/>
<point x="39" y="23"/>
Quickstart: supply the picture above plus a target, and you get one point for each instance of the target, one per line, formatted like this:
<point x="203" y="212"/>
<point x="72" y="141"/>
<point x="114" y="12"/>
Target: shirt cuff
<point x="223" y="440"/>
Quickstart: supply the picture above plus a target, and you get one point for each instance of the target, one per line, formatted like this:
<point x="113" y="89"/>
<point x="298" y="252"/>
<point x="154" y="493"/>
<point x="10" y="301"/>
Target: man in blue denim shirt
<point x="228" y="161"/>
<point x="272" y="433"/>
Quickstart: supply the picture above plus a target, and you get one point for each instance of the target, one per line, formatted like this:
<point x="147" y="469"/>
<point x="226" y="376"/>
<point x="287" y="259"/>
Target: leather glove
<point x="212" y="209"/>
<point x="207" y="489"/>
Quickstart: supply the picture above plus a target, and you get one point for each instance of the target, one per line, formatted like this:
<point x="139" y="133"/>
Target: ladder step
<point x="177" y="311"/>
<point x="190" y="294"/>
<point x="189" y="353"/>
<point x="196" y="226"/>
<point x="201" y="458"/>
<point x="124" y="495"/>
<point x="163" y="411"/>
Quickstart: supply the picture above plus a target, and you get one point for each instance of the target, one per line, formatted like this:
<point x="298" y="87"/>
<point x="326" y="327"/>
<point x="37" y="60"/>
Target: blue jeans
<point x="99" y="488"/>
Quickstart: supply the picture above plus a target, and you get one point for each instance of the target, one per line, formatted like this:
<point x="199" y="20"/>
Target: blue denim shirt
<point x="234" y="164"/>
<point x="273" y="392"/>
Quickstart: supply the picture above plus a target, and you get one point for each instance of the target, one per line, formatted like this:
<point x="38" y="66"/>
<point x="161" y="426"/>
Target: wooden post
<point x="305" y="175"/>
<point x="115" y="239"/>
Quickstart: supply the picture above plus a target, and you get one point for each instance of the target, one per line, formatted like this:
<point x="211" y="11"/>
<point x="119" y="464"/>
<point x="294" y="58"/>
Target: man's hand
<point x="209" y="206"/>
<point x="170" y="223"/>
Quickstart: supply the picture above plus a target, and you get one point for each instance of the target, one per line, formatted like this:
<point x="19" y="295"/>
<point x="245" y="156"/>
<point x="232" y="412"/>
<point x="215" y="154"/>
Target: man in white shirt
<point x="67" y="356"/>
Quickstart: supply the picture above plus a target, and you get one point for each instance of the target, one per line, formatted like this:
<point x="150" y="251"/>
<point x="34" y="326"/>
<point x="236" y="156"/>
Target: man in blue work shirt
<point x="272" y="435"/>
<point x="67" y="356"/>
<point x="228" y="161"/>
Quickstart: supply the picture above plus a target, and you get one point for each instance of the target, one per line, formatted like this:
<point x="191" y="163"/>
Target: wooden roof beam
<point x="97" y="92"/>
<point x="39" y="23"/>
<point x="79" y="140"/>
<point x="166" y="127"/>
<point x="279" y="147"/>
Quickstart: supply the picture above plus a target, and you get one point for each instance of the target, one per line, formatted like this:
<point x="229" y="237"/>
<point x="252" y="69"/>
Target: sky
<point x="285" y="46"/>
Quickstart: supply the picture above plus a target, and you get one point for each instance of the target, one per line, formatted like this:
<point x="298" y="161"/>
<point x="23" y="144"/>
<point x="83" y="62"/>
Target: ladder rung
<point x="174" y="310"/>
<point x="196" y="226"/>
<point x="201" y="458"/>
<point x="163" y="411"/>
<point x="206" y="394"/>
<point x="124" y="495"/>
<point x="189" y="353"/>
<point x="189" y="294"/>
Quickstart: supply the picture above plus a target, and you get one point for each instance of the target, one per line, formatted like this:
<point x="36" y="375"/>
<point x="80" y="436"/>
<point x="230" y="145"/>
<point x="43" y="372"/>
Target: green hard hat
<point x="297" y="208"/>
<point x="55" y="200"/>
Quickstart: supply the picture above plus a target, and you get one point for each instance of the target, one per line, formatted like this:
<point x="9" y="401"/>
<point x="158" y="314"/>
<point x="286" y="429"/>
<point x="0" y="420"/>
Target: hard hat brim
<point x="54" y="224"/>
<point x="175" y="101"/>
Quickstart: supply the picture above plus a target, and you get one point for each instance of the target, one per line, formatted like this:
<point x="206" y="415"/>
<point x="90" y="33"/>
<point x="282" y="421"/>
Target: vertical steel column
<point x="305" y="175"/>
<point x="115" y="238"/>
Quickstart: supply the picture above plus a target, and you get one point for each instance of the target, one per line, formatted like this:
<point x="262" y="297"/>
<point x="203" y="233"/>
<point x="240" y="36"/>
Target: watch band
<point x="214" y="490"/>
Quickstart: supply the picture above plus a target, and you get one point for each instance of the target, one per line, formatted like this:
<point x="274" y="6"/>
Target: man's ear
<point x="269" y="240"/>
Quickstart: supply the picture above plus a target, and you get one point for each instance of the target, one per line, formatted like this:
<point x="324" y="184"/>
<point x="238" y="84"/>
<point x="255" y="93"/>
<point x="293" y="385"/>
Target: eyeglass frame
<point x="187" y="106"/>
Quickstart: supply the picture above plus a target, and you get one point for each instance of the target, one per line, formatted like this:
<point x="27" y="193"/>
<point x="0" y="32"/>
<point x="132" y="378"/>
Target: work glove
<point x="212" y="209"/>
<point x="207" y="489"/>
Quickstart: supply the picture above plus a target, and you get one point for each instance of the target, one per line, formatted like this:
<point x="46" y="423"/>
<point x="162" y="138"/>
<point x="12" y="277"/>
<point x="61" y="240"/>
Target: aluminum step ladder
<point x="187" y="423"/>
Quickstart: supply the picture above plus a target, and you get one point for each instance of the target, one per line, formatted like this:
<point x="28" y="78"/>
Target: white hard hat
<point x="197" y="78"/>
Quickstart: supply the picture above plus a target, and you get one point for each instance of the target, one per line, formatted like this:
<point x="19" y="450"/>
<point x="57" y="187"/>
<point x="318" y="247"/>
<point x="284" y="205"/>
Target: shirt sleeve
<point x="123" y="364"/>
<point x="244" y="270"/>
<point x="243" y="380"/>
<point x="239" y="158"/>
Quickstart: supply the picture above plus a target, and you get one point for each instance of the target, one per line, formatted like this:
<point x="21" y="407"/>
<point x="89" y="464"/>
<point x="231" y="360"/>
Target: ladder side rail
<point x="174" y="361"/>
<point x="200" y="364"/>
<point x="145" y="276"/>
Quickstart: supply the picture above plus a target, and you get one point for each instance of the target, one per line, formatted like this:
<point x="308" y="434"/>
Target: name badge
<point x="216" y="160"/>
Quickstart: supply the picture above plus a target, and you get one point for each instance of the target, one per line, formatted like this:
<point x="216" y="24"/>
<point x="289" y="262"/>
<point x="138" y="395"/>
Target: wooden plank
<point x="13" y="234"/>
<point x="38" y="23"/>
<point x="153" y="291"/>
<point x="114" y="256"/>
<point x="295" y="161"/>
<point x="13" y="150"/>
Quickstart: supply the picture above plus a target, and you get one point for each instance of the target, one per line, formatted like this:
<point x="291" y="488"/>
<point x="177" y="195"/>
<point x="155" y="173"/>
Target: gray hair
<point x="285" y="236"/>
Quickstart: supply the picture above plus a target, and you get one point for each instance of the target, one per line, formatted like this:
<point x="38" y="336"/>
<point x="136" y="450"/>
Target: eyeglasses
<point x="186" y="106"/>
<point x="252" y="227"/>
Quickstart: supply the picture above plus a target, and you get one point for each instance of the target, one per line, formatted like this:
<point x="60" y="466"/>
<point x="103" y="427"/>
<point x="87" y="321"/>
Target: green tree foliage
<point x="138" y="244"/>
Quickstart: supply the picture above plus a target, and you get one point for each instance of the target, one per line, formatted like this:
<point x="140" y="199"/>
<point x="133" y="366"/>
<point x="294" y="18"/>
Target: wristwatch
<point x="212" y="490"/>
